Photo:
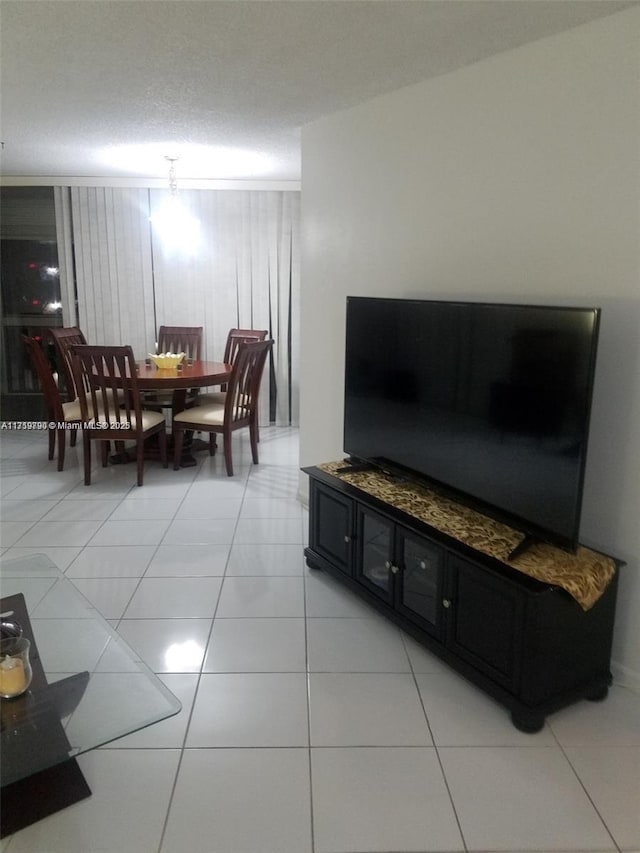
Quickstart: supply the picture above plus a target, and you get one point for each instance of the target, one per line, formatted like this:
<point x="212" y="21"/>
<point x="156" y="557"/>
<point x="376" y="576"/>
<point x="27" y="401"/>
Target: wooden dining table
<point x="178" y="381"/>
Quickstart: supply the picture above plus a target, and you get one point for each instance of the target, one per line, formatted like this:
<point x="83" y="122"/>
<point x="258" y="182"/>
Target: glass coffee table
<point x="89" y="688"/>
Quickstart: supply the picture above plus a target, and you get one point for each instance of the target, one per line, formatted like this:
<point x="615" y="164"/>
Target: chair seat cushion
<point x="71" y="410"/>
<point x="205" y="415"/>
<point x="118" y="394"/>
<point x="216" y="398"/>
<point x="149" y="420"/>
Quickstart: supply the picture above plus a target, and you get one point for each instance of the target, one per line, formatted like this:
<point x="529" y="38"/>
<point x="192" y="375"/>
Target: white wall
<point x="515" y="179"/>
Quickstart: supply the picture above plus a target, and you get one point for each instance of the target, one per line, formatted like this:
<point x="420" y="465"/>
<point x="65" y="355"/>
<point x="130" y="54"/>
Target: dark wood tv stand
<point x="526" y="642"/>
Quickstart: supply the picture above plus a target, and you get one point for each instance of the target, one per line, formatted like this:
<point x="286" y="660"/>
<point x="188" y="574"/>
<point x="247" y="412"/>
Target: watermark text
<point x="74" y="425"/>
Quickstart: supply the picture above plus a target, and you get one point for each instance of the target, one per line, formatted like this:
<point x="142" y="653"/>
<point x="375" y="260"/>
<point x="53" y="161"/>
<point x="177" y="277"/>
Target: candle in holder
<point x="15" y="669"/>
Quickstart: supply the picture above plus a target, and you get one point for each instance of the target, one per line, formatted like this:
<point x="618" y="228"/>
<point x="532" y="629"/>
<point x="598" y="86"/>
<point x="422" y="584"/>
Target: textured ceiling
<point x="109" y="88"/>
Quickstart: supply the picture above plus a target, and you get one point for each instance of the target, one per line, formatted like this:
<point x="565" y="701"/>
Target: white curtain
<point x="244" y="273"/>
<point x="64" y="236"/>
<point x="114" y="274"/>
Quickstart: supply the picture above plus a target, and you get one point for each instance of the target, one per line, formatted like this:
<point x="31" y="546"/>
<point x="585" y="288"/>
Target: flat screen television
<point x="488" y="402"/>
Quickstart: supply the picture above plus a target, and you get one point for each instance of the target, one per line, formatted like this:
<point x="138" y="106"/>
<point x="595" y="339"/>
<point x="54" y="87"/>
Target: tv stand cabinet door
<point x="485" y="621"/>
<point x="374" y="564"/>
<point x="331" y="526"/>
<point x="419" y="586"/>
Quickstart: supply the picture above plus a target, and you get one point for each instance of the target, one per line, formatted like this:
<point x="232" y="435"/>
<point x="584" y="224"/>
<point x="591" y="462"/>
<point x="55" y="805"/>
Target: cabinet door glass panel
<point x="422" y="566"/>
<point x="376" y="551"/>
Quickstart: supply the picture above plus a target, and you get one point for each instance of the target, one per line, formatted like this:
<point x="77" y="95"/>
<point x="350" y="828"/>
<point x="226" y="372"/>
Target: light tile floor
<point x="310" y="724"/>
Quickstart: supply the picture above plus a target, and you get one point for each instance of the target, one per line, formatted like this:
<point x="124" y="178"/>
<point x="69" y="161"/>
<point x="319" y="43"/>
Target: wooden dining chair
<point x="234" y="339"/>
<point x="107" y="381"/>
<point x="240" y="408"/>
<point x="187" y="339"/>
<point x="57" y="412"/>
<point x="65" y="337"/>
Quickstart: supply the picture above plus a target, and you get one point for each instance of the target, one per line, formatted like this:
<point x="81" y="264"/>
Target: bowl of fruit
<point x="167" y="360"/>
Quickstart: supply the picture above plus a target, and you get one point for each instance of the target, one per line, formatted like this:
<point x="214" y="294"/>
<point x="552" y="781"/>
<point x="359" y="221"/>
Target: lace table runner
<point x="584" y="575"/>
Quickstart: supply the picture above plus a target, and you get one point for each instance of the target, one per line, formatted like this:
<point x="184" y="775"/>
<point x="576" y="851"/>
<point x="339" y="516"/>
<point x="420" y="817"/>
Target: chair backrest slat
<point x="244" y="383"/>
<point x="187" y="339"/>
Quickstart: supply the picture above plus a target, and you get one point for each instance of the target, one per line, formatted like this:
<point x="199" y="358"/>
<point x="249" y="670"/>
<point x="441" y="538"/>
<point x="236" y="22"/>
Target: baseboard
<point x="625" y="677"/>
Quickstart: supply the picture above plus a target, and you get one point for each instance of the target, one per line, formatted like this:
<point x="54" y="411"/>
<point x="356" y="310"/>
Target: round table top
<point x="195" y="375"/>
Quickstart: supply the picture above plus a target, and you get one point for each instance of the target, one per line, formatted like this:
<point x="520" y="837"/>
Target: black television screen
<point x="490" y="401"/>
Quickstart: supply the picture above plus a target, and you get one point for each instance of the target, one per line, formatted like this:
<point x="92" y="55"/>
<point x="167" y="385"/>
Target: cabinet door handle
<point x="387" y="564"/>
<point x="347" y="539"/>
<point x="446" y="602"/>
<point x="395" y="569"/>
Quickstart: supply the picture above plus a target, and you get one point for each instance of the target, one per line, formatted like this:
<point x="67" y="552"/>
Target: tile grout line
<point x="184" y="747"/>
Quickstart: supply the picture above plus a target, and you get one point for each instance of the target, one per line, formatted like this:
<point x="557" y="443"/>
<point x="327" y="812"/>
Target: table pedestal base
<point x="187" y="459"/>
<point x="40" y="795"/>
<point x="152" y="451"/>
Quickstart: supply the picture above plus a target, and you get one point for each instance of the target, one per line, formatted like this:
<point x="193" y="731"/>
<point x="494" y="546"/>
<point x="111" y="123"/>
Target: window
<point x="30" y="288"/>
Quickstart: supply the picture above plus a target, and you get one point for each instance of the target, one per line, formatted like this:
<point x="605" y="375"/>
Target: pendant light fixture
<point x="178" y="229"/>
